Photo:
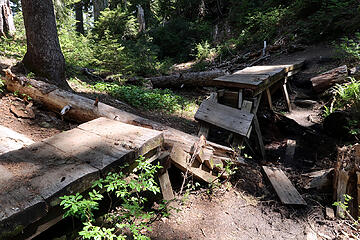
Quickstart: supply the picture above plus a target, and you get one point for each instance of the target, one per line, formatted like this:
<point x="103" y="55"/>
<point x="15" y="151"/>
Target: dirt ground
<point x="249" y="209"/>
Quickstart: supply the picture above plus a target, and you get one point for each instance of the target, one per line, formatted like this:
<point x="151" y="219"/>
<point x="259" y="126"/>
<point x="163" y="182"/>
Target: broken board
<point x="283" y="187"/>
<point x="233" y="120"/>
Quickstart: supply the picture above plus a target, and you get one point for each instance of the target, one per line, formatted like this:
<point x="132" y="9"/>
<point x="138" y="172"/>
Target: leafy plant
<point x="149" y="99"/>
<point x="129" y="215"/>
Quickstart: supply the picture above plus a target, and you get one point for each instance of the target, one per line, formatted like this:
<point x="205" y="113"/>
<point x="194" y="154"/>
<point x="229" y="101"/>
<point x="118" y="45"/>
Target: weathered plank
<point x="249" y="81"/>
<point x="165" y="185"/>
<point x="180" y="158"/>
<point x="11" y="140"/>
<point x="283" y="187"/>
<point x="226" y="117"/>
<point x="33" y="178"/>
<point x="142" y="140"/>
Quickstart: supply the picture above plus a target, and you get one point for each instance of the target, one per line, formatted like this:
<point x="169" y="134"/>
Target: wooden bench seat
<point x="231" y="119"/>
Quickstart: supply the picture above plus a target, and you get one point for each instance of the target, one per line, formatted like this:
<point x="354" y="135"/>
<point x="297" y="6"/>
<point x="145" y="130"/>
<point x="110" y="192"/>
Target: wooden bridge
<point x="34" y="177"/>
<point x="234" y="106"/>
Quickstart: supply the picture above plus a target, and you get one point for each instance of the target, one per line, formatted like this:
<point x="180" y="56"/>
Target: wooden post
<point x="259" y="137"/>
<point x="286" y="94"/>
<point x="240" y="98"/>
<point x="268" y="94"/>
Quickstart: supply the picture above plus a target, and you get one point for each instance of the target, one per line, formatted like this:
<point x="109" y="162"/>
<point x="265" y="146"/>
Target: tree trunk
<point x="327" y="79"/>
<point x="79" y="17"/>
<point x="7" y="27"/>
<point x="43" y="56"/>
<point x="201" y="79"/>
<point x="99" y="5"/>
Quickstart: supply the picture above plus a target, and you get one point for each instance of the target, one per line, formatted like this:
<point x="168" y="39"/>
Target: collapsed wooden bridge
<point x="33" y="178"/>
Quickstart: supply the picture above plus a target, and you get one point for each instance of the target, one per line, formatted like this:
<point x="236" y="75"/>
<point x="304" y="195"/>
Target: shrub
<point x="149" y="99"/>
<point x="130" y="215"/>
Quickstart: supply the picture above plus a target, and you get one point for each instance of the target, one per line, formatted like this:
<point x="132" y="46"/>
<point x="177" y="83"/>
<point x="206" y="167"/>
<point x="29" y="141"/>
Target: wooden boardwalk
<point x="33" y="178"/>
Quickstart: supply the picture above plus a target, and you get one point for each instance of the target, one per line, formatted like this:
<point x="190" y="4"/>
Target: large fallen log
<point x="83" y="109"/>
<point x="202" y="79"/>
<point x="327" y="79"/>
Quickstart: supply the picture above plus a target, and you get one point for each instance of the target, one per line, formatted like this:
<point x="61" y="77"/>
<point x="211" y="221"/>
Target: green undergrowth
<point x="163" y="100"/>
<point x="126" y="213"/>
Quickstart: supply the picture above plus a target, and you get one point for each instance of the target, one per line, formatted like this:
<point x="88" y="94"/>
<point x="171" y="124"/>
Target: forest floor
<point x="249" y="208"/>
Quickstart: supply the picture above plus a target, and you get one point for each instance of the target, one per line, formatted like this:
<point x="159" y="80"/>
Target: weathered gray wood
<point x="268" y="94"/>
<point x="204" y="129"/>
<point x="165" y="185"/>
<point x="83" y="109"/>
<point x="181" y="159"/>
<point x="33" y="178"/>
<point x="11" y="140"/>
<point x="249" y="81"/>
<point x="240" y="98"/>
<point x="259" y="137"/>
<point x="283" y="187"/>
<point x="228" y="118"/>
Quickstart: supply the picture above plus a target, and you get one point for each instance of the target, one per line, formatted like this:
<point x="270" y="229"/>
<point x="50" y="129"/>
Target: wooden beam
<point x="165" y="185"/>
<point x="268" y="94"/>
<point x="283" y="187"/>
<point x="259" y="137"/>
<point x="226" y="117"/>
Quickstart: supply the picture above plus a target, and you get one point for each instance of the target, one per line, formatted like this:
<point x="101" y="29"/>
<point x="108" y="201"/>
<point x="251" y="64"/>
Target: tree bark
<point x="327" y="79"/>
<point x="43" y="56"/>
<point x="202" y="79"/>
<point x="7" y="27"/>
<point x="99" y="5"/>
<point x="79" y="17"/>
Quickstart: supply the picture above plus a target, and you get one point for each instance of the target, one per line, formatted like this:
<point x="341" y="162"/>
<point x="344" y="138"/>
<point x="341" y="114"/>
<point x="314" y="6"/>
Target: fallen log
<point x="84" y="109"/>
<point x="202" y="79"/>
<point x="327" y="79"/>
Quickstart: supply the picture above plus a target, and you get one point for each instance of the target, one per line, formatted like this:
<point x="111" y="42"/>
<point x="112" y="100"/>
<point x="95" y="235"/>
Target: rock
<point x="336" y="124"/>
<point x="329" y="213"/>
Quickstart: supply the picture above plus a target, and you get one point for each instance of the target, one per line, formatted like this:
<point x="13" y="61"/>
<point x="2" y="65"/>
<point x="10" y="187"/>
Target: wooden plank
<point x="229" y="98"/>
<point x="242" y="80"/>
<point x="204" y="130"/>
<point x="180" y="159"/>
<point x="240" y="98"/>
<point x="141" y="139"/>
<point x="11" y="140"/>
<point x="165" y="185"/>
<point x="263" y="70"/>
<point x="259" y="137"/>
<point x="290" y="151"/>
<point x="226" y="117"/>
<point x="247" y="106"/>
<point x="283" y="187"/>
